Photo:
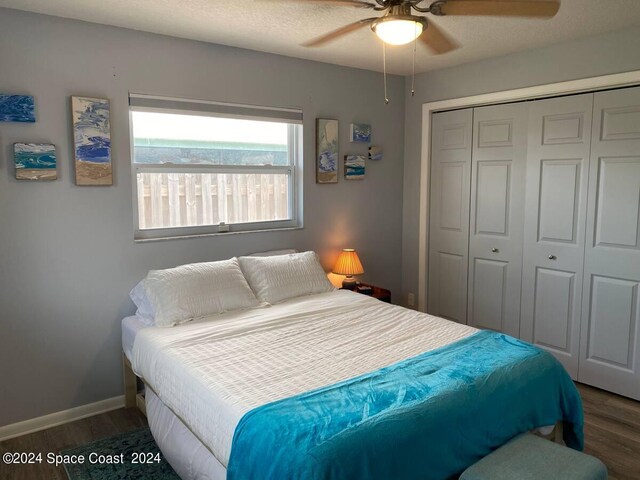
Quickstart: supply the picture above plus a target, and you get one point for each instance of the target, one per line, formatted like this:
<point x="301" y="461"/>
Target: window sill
<point x="213" y="234"/>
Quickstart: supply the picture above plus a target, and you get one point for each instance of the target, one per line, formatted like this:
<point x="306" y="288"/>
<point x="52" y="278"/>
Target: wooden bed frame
<point x="132" y="397"/>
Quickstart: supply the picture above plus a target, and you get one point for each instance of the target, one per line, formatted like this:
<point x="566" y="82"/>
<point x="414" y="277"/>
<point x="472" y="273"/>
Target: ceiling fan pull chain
<point x="413" y="74"/>
<point x="384" y="70"/>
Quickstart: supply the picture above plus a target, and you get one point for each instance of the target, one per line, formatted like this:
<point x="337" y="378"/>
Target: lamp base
<point x="349" y="283"/>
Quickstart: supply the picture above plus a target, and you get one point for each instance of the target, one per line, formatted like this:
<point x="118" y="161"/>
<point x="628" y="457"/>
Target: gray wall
<point x="67" y="256"/>
<point x="588" y="57"/>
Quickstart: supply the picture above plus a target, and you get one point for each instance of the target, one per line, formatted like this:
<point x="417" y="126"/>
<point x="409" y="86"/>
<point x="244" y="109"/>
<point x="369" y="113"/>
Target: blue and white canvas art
<point x="375" y="153"/>
<point x="35" y="161"/>
<point x="17" y="108"/>
<point x="327" y="151"/>
<point x="354" y="167"/>
<point x="360" y="133"/>
<point x="92" y="141"/>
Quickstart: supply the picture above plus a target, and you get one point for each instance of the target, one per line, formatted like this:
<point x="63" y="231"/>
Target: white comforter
<point x="212" y="371"/>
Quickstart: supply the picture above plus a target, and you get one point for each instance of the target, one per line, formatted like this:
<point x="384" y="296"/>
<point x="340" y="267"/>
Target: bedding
<point x="141" y="301"/>
<point x="211" y="373"/>
<point x="274" y="253"/>
<point x="144" y="307"/>
<point x="427" y="417"/>
<point x="130" y="328"/>
<point x="277" y="278"/>
<point x="180" y="294"/>
<point x="190" y="459"/>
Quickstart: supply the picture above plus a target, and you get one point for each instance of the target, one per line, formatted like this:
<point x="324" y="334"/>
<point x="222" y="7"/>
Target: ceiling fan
<point x="399" y="26"/>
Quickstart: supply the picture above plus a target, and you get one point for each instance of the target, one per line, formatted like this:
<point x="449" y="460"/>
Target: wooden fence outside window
<point x="191" y="199"/>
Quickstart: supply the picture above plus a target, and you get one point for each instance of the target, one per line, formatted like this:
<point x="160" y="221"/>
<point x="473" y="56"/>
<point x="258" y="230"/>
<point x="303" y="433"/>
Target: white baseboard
<point x="58" y="418"/>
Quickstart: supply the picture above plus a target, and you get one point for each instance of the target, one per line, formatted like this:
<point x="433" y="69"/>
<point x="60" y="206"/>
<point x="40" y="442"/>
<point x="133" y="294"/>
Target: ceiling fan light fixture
<point x="396" y="31"/>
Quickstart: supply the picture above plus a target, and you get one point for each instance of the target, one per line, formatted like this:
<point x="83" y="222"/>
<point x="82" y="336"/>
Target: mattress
<point x="130" y="328"/>
<point x="190" y="459"/>
<point x="209" y="373"/>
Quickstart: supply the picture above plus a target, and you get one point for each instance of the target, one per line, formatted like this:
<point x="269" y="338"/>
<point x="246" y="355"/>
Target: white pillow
<point x="274" y="279"/>
<point x="140" y="299"/>
<point x="273" y="253"/>
<point x="180" y="294"/>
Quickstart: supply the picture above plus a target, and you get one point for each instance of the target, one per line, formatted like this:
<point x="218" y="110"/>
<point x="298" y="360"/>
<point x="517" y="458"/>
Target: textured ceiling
<point x="281" y="26"/>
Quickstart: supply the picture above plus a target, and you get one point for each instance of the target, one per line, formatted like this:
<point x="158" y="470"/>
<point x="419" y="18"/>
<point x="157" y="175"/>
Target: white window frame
<point x="209" y="109"/>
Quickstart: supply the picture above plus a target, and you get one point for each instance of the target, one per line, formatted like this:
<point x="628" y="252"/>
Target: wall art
<point x="17" y="108"/>
<point x="354" y="167"/>
<point x="92" y="141"/>
<point x="375" y="153"/>
<point x="326" y="151"/>
<point x="360" y="133"/>
<point x="35" y="161"/>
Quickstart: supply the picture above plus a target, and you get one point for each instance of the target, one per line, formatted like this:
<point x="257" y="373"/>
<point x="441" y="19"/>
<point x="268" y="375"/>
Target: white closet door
<point x="610" y="347"/>
<point x="497" y="198"/>
<point x="555" y="213"/>
<point x="449" y="214"/>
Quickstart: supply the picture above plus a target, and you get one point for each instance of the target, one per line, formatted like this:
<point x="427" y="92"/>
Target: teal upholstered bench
<point x="528" y="457"/>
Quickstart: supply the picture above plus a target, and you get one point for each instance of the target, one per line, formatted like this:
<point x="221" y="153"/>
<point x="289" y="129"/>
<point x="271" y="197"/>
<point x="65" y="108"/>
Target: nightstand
<point x="381" y="294"/>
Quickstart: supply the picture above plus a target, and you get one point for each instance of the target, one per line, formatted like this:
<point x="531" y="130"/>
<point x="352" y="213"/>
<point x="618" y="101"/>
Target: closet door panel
<point x="497" y="195"/>
<point x="489" y="290"/>
<point x="559" y="198"/>
<point x="449" y="214"/>
<point x="616" y="211"/>
<point x="553" y="308"/>
<point x="492" y="198"/>
<point x="554" y="227"/>
<point x="613" y="321"/>
<point x="452" y="197"/>
<point x="452" y="278"/>
<point x="610" y="346"/>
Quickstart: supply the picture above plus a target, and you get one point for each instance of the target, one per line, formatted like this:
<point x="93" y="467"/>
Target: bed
<point x="215" y="385"/>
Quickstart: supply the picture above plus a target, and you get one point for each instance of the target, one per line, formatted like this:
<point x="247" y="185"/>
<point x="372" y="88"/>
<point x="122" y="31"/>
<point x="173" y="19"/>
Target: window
<point x="202" y="168"/>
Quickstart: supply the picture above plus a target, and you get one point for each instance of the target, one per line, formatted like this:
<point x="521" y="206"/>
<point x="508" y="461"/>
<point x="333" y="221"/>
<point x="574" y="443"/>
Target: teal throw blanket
<point x="427" y="417"/>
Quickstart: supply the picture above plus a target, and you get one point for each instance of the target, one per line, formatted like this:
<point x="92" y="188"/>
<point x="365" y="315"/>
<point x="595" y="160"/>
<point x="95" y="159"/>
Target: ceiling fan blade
<point x="346" y="3"/>
<point x="436" y="40"/>
<point x="501" y="8"/>
<point x="328" y="37"/>
<point x="353" y="3"/>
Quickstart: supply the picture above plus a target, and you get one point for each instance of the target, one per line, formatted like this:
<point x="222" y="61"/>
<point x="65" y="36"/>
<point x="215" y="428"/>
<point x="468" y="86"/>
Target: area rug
<point x="132" y="456"/>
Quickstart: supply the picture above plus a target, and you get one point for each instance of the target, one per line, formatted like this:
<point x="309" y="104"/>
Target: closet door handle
<point x="495" y="250"/>
<point x="552" y="257"/>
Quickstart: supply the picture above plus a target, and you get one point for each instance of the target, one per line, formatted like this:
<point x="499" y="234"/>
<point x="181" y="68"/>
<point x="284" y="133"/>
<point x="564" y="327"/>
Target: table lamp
<point x="348" y="264"/>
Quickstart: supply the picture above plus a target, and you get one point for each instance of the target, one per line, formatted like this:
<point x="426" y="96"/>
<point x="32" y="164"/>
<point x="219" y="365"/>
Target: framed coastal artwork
<point x="375" y="153"/>
<point x="92" y="141"/>
<point x="35" y="161"/>
<point x="17" y="108"/>
<point x="354" y="167"/>
<point x="360" y="133"/>
<point x="326" y="150"/>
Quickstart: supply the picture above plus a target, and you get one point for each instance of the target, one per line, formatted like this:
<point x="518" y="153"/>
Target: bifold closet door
<point x="610" y="346"/>
<point x="554" y="234"/>
<point x="449" y="214"/>
<point x="497" y="197"/>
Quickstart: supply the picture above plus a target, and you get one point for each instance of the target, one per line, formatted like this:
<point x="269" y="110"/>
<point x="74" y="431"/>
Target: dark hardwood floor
<point x="612" y="433"/>
<point x="66" y="436"/>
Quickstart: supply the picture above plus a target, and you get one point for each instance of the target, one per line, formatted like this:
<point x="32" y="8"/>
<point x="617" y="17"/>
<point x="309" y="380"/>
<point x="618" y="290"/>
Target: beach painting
<point x="17" y="108"/>
<point x="35" y="161"/>
<point x="92" y="141"/>
<point x="354" y="167"/>
<point x="326" y="151"/>
<point x="360" y="133"/>
<point x="375" y="153"/>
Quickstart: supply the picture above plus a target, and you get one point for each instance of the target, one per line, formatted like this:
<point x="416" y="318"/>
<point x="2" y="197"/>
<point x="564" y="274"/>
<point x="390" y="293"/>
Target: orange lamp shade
<point x="348" y="263"/>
